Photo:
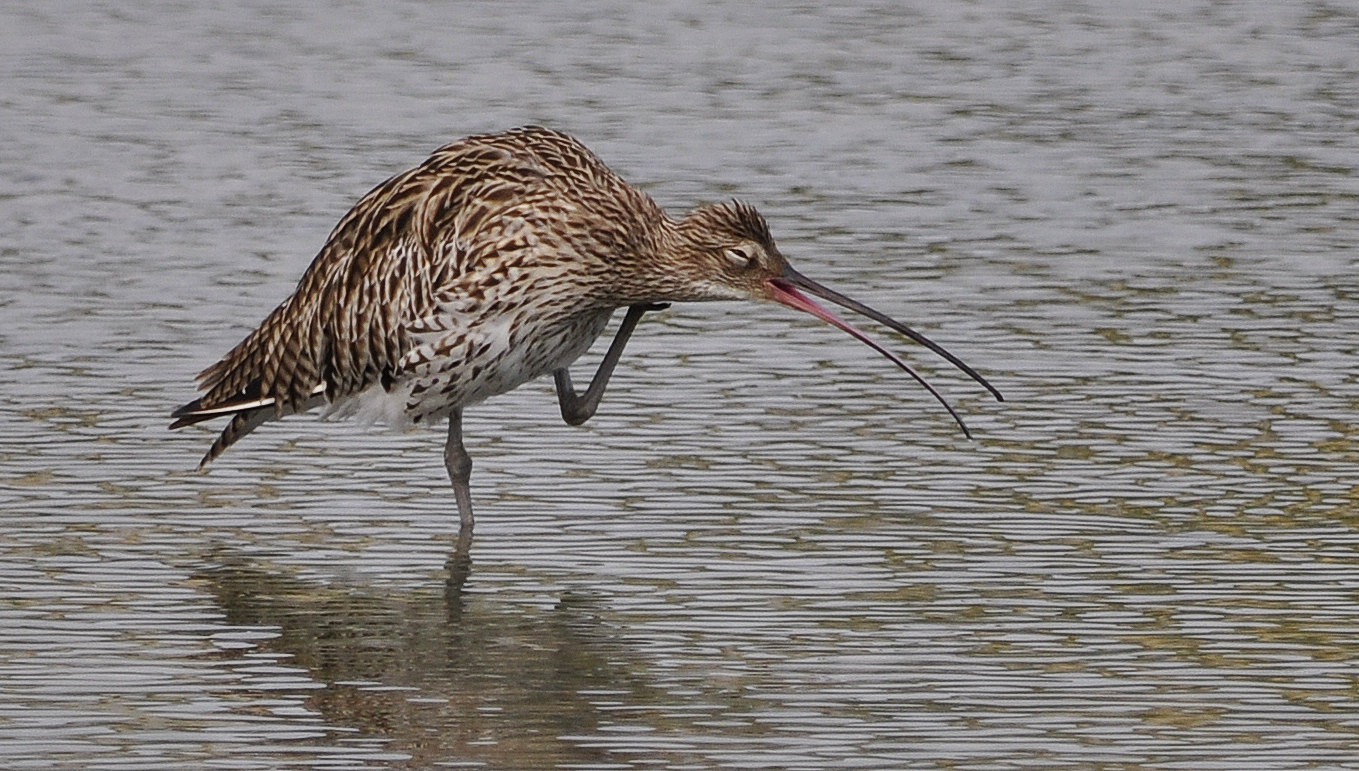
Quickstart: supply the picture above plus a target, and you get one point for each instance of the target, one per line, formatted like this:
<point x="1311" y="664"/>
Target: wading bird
<point x="497" y="260"/>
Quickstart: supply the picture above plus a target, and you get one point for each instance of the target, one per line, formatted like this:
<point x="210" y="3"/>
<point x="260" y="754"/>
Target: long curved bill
<point x="791" y="288"/>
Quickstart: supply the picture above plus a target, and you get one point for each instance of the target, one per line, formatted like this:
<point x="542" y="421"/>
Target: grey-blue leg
<point x="459" y="465"/>
<point x="578" y="408"/>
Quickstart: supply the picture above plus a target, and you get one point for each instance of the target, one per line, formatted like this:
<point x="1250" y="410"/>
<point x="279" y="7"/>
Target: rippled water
<point x="768" y="550"/>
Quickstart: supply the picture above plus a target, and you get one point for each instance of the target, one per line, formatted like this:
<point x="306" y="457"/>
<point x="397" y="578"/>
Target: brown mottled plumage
<point x="497" y="260"/>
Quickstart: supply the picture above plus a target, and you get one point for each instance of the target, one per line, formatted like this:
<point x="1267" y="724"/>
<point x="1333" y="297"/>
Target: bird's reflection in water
<point x="442" y="675"/>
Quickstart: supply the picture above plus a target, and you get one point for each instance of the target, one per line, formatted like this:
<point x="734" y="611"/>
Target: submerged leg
<point x="459" y="465"/>
<point x="578" y="408"/>
<point x="459" y="566"/>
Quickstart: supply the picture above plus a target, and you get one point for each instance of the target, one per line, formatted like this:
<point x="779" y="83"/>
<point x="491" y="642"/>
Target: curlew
<point x="498" y="260"/>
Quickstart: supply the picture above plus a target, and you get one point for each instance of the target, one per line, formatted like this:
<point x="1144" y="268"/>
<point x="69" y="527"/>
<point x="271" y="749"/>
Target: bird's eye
<point x="741" y="257"/>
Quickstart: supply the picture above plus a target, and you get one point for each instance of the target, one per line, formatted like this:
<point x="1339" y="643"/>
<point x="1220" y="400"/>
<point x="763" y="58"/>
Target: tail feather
<point x="240" y="424"/>
<point x="189" y="420"/>
<point x="247" y="412"/>
<point x="196" y="412"/>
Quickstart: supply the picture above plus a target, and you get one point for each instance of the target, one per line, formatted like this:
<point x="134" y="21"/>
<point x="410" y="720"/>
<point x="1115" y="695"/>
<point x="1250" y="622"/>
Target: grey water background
<point x="769" y="550"/>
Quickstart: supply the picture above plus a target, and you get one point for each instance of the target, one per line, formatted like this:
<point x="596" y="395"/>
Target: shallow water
<point x="768" y="550"/>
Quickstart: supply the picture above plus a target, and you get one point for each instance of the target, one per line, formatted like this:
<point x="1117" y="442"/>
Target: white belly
<point x="460" y="367"/>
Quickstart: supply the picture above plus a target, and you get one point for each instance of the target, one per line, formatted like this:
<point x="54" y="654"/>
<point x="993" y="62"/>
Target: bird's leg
<point x="578" y="408"/>
<point x="459" y="567"/>
<point x="459" y="465"/>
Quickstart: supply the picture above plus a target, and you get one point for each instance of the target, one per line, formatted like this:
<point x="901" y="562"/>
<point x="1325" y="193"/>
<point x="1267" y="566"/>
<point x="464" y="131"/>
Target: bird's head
<point x="728" y="253"/>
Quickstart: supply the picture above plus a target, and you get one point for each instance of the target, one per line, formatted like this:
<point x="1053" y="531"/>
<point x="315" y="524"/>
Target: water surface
<point x="768" y="550"/>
